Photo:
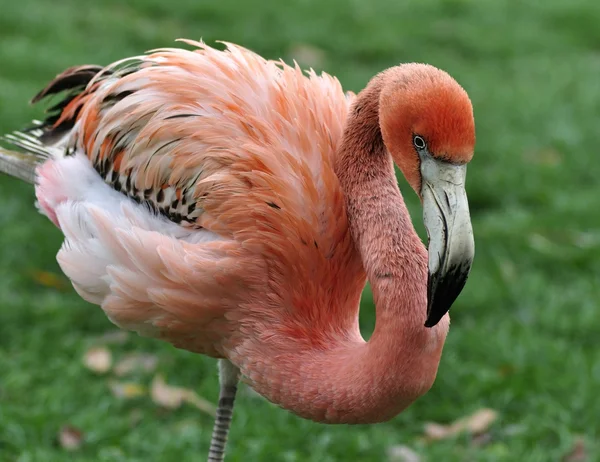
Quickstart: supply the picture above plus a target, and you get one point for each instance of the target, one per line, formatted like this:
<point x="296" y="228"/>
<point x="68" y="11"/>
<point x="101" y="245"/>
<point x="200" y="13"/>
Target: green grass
<point x="525" y="332"/>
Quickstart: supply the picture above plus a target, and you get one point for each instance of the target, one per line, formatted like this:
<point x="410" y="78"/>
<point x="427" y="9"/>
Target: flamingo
<point x="235" y="207"/>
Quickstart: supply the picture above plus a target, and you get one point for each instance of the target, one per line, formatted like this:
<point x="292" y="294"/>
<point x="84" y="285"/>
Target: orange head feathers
<point x="422" y="107"/>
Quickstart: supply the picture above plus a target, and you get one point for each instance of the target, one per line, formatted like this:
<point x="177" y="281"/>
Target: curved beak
<point x="451" y="246"/>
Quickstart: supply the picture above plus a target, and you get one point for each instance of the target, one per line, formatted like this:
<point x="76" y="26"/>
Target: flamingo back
<point x="196" y="192"/>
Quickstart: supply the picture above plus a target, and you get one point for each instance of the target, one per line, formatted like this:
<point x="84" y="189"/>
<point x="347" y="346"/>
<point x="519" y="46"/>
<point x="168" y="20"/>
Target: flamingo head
<point x="427" y="125"/>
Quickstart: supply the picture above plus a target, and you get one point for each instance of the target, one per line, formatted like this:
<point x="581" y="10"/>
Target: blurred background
<point x="521" y="365"/>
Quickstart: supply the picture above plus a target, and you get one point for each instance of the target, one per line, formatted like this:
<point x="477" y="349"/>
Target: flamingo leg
<point x="229" y="376"/>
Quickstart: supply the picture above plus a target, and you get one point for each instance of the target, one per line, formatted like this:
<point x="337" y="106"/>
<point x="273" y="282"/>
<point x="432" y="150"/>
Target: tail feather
<point x="44" y="139"/>
<point x="61" y="117"/>
<point x="18" y="164"/>
<point x="28" y="140"/>
<point x="74" y="79"/>
<point x="22" y="165"/>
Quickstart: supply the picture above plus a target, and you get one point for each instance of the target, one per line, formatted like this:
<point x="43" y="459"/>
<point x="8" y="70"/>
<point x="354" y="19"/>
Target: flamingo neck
<point x="392" y="253"/>
<point x="402" y="353"/>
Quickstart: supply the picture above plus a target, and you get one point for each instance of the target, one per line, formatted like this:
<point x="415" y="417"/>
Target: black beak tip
<point x="442" y="292"/>
<point x="435" y="314"/>
<point x="430" y="323"/>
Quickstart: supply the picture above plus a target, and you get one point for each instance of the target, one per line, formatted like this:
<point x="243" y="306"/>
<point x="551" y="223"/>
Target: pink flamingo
<point x="234" y="207"/>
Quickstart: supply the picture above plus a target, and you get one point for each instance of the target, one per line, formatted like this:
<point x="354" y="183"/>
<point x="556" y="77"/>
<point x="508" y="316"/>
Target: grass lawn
<point x="526" y="331"/>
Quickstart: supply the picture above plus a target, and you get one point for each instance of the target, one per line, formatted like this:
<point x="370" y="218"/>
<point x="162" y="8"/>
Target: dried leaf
<point x="70" y="438"/>
<point x="136" y="361"/>
<point x="126" y="390"/>
<point x="434" y="431"/>
<point x="476" y="424"/>
<point x="172" y="397"/>
<point x="401" y="453"/>
<point x="165" y="395"/>
<point x="52" y="280"/>
<point x="578" y="453"/>
<point x="98" y="359"/>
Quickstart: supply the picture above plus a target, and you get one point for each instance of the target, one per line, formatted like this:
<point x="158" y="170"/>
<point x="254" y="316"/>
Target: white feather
<point x="88" y="252"/>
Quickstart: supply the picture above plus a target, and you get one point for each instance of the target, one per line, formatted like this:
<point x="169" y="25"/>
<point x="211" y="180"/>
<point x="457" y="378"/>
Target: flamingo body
<point x="234" y="206"/>
<point x="194" y="210"/>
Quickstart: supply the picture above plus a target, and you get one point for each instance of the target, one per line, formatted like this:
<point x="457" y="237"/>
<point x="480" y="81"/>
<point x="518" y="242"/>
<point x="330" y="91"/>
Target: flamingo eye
<point x="419" y="142"/>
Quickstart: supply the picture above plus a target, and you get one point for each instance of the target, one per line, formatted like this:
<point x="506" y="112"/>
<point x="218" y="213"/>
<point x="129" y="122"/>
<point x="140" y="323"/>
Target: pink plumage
<point x="234" y="206"/>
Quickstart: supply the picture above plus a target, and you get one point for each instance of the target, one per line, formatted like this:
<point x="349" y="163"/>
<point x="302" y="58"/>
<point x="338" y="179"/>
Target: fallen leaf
<point x="165" y="395"/>
<point x="476" y="424"/>
<point x="98" y="359"/>
<point x="307" y="55"/>
<point x="70" y="438"/>
<point x="135" y="361"/>
<point x="171" y="397"/>
<point x="434" y="431"/>
<point x="401" y="453"/>
<point x="126" y="390"/>
<point x="52" y="280"/>
<point x="578" y="453"/>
